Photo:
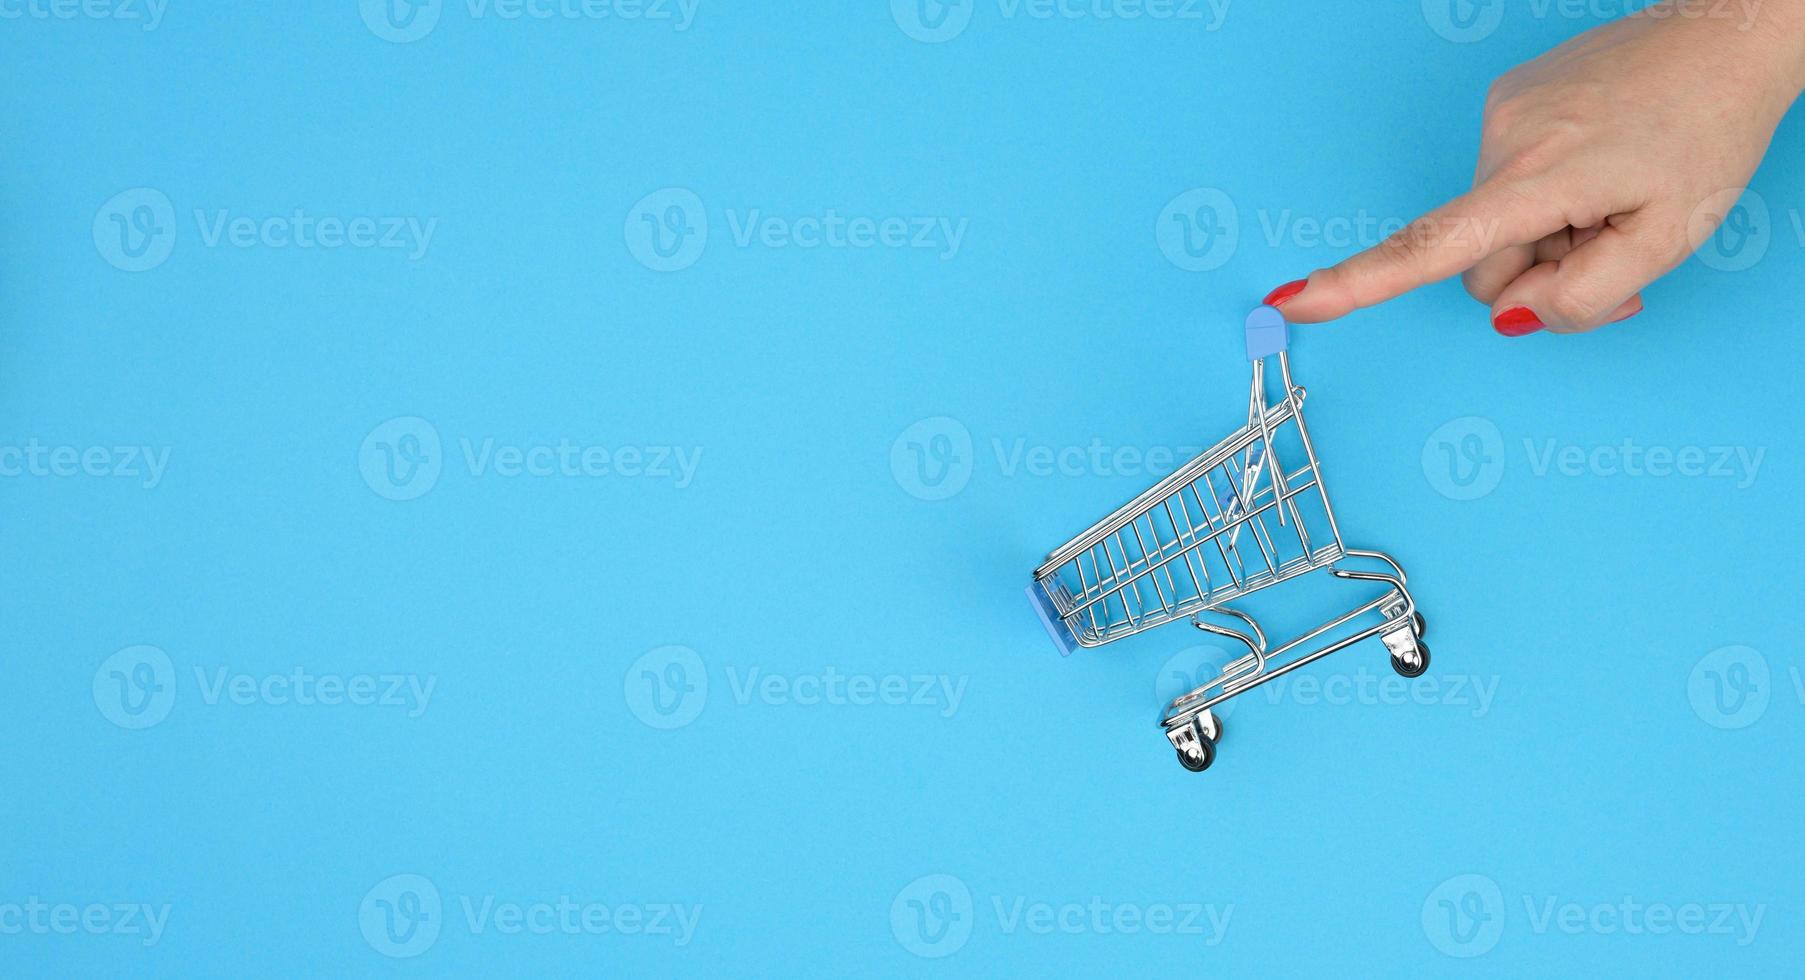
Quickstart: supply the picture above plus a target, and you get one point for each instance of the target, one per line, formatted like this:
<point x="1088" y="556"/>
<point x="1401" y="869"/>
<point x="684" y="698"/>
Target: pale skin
<point x="1603" y="165"/>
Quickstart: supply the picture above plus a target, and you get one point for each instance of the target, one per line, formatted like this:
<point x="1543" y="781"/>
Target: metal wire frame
<point x="1176" y="550"/>
<point x="1197" y="562"/>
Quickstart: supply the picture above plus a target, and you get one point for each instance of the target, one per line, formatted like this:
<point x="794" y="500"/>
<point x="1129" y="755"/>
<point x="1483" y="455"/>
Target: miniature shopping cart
<point x="1225" y="525"/>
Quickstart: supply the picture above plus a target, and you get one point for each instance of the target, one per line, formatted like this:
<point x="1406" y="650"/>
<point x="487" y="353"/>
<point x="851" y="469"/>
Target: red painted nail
<point x="1631" y="313"/>
<point x="1278" y="296"/>
<point x="1518" y="321"/>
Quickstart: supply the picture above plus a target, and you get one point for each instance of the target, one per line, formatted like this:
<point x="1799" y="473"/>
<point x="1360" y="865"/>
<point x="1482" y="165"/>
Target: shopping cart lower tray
<point x="1229" y="523"/>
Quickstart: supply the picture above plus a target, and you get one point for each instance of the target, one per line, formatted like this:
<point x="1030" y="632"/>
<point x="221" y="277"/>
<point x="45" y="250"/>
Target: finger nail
<point x="1278" y="296"/>
<point x="1625" y="316"/>
<point x="1518" y="321"/>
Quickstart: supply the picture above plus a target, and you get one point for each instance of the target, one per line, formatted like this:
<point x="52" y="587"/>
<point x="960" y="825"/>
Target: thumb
<point x="1599" y="282"/>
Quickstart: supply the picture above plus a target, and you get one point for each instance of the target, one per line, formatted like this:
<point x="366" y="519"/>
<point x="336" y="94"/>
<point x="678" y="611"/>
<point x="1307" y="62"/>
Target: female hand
<point x="1603" y="165"/>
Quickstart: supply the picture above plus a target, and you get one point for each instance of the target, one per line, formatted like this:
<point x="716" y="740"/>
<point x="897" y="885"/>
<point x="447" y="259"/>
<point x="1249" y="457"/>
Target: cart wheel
<point x="1422" y="662"/>
<point x="1207" y="747"/>
<point x="1421" y="624"/>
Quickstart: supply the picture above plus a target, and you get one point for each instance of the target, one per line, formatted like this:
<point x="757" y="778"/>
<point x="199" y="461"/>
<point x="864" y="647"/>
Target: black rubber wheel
<point x="1421" y="624"/>
<point x="1422" y="663"/>
<point x="1208" y="747"/>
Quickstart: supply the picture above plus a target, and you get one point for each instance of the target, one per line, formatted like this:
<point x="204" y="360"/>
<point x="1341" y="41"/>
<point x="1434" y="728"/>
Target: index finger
<point x="1445" y="242"/>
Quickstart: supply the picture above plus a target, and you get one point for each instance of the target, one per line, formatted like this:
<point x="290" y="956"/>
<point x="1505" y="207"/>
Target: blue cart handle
<point x="1049" y="617"/>
<point x="1267" y="333"/>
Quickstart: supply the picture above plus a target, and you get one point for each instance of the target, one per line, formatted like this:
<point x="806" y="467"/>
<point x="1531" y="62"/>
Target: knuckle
<point x="1542" y="155"/>
<point x="1498" y="94"/>
<point x="1334" y="280"/>
<point x="1501" y="117"/>
<point x="1524" y="165"/>
<point x="1578" y="303"/>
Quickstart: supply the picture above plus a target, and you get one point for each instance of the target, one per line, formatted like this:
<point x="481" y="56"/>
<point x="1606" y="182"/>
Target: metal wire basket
<point x="1229" y="523"/>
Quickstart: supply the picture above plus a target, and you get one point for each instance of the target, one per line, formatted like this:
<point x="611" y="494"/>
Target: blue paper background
<point x="838" y="539"/>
